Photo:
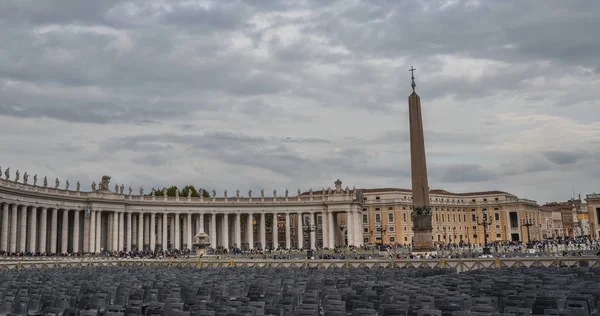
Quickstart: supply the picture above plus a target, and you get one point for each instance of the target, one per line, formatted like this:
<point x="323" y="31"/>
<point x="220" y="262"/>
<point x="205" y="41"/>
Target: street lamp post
<point x="485" y="222"/>
<point x="528" y="223"/>
<point x="382" y="229"/>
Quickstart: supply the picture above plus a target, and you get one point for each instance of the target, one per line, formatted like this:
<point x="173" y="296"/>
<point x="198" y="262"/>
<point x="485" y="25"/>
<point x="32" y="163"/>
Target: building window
<point x="474" y="235"/>
<point x="454" y="218"/>
<point x="390" y="208"/>
<point x="377" y="198"/>
<point x="390" y="217"/>
<point x="485" y="200"/>
<point x="392" y="239"/>
<point x="405" y="238"/>
<point x="498" y="235"/>
<point x="437" y="218"/>
<point x="392" y="229"/>
<point x="377" y="208"/>
<point x="496" y="200"/>
<point x="465" y="217"/>
<point x="497" y="216"/>
<point x="497" y="226"/>
<point x="474" y="227"/>
<point x="473" y="200"/>
<point x="366" y="240"/>
<point x="404" y="215"/>
<point x="365" y="198"/>
<point x="377" y="218"/>
<point x="473" y="217"/>
<point x="365" y="219"/>
<point x="365" y="230"/>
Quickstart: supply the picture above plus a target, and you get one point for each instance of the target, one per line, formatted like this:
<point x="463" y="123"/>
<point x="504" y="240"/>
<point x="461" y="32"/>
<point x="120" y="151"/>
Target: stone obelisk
<point x="421" y="214"/>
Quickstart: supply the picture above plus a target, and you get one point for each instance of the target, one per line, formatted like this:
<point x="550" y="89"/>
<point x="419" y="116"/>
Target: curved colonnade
<point x="39" y="219"/>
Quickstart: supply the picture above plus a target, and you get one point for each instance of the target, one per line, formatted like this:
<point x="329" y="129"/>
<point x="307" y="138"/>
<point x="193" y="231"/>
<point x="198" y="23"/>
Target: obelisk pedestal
<point x="421" y="214"/>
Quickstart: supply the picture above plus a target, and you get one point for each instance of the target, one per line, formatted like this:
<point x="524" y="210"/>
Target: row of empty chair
<point x="168" y="291"/>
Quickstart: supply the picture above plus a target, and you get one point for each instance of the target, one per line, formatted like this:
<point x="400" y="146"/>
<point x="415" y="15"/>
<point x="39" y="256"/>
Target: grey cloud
<point x="457" y="173"/>
<point x="562" y="157"/>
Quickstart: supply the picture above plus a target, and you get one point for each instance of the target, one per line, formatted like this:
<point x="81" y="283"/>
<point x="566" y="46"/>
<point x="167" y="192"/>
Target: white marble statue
<point x="165" y="192"/>
<point x="338" y="185"/>
<point x="104" y="182"/>
<point x="7" y="173"/>
<point x="25" y="177"/>
<point x="249" y="193"/>
<point x="287" y="192"/>
<point x="141" y="191"/>
<point x="299" y="192"/>
<point x="153" y="192"/>
<point x="262" y="193"/>
<point x="177" y="192"/>
<point x="116" y="188"/>
<point x="56" y="183"/>
<point x="129" y="190"/>
<point x="78" y="186"/>
<point x="274" y="193"/>
<point x="214" y="192"/>
<point x="189" y="192"/>
<point x="310" y="191"/>
<point x="17" y="176"/>
<point x="45" y="181"/>
<point x="93" y="186"/>
<point x="225" y="193"/>
<point x="35" y="179"/>
<point x="67" y="184"/>
<point x="121" y="188"/>
<point x="201" y="192"/>
<point x="237" y="193"/>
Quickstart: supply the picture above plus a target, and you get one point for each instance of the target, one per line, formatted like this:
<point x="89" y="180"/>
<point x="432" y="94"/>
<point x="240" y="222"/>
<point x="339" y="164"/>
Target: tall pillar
<point x="43" y="232"/>
<point x="288" y="240"/>
<point x="164" y="231"/>
<point x="23" y="229"/>
<point x="92" y="232"/>
<point x="250" y="231"/>
<point x="299" y="224"/>
<point x="275" y="231"/>
<point x="349" y="228"/>
<point x="189" y="231"/>
<point x="158" y="230"/>
<point x="422" y="223"/>
<point x="4" y="234"/>
<point x="172" y="231"/>
<point x="263" y="231"/>
<point x="152" y="231"/>
<point x="115" y="231"/>
<point x="332" y="229"/>
<point x="98" y="231"/>
<point x="13" y="228"/>
<point x="53" y="230"/>
<point x="140" y="237"/>
<point x="86" y="232"/>
<point x="147" y="230"/>
<point x="238" y="230"/>
<point x="121" y="231"/>
<point x="76" y="219"/>
<point x="213" y="231"/>
<point x="33" y="230"/>
<point x="324" y="230"/>
<point x="65" y="232"/>
<point x="129" y="228"/>
<point x="359" y="228"/>
<point x="201" y="223"/>
<point x="177" y="231"/>
<point x="225" y="230"/>
<point x="313" y="231"/>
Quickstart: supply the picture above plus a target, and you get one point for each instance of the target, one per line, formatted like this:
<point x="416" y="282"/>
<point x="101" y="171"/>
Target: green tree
<point x="183" y="192"/>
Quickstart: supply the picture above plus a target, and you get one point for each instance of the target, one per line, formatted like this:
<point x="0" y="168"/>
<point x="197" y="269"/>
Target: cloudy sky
<point x="282" y="94"/>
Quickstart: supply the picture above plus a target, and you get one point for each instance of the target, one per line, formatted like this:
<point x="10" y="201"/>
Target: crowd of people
<point x="566" y="247"/>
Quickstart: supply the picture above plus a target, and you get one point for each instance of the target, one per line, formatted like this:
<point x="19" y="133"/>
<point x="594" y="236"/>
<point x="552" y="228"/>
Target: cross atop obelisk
<point x="421" y="215"/>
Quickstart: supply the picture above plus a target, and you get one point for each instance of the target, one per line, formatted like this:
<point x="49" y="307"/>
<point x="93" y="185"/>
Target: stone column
<point x="152" y="231"/>
<point x="172" y="231"/>
<point x="115" y="231"/>
<point x="92" y="240"/>
<point x="250" y="231"/>
<point x="4" y="234"/>
<point x="324" y="230"/>
<point x="76" y="231"/>
<point x="299" y="223"/>
<point x="53" y="230"/>
<point x="177" y="232"/>
<point x="23" y="229"/>
<point x="201" y="223"/>
<point x="147" y="230"/>
<point x="275" y="232"/>
<point x="65" y="232"/>
<point x="213" y="231"/>
<point x="238" y="230"/>
<point x="263" y="231"/>
<point x="129" y="231"/>
<point x="189" y="231"/>
<point x="33" y="230"/>
<point x="359" y="228"/>
<point x="158" y="230"/>
<point x="332" y="229"/>
<point x="13" y="228"/>
<point x="85" y="248"/>
<point x="313" y="232"/>
<point x="98" y="231"/>
<point x="225" y="225"/>
<point x="288" y="240"/>
<point x="140" y="237"/>
<point x="349" y="228"/>
<point x="43" y="232"/>
<point x="121" y="231"/>
<point x="164" y="231"/>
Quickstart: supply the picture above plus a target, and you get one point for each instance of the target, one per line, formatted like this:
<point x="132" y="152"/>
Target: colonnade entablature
<point x="39" y="219"/>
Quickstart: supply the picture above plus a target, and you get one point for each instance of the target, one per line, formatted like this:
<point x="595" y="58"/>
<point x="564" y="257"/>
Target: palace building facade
<point x="43" y="219"/>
